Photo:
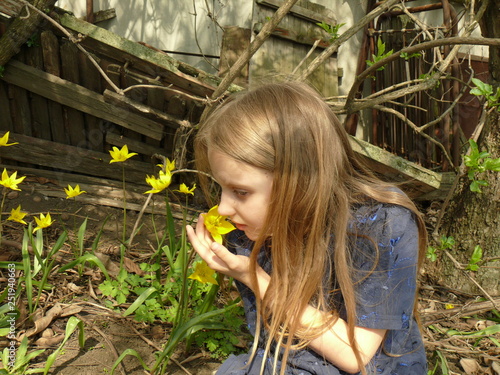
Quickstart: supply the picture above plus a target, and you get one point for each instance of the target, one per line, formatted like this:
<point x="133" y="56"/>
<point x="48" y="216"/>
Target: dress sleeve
<point x="385" y="256"/>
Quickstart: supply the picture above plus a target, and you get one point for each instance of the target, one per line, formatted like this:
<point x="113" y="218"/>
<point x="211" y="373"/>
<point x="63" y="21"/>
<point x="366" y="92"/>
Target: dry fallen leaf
<point x="470" y="366"/>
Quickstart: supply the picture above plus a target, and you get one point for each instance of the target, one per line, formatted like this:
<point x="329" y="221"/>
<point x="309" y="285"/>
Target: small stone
<point x="37" y="199"/>
<point x="13" y="194"/>
<point x="65" y="216"/>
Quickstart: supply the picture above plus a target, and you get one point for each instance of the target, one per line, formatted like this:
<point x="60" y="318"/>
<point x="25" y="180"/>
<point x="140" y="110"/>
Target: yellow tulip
<point x="11" y="181"/>
<point x="43" y="222"/>
<point x="216" y="224"/>
<point x="120" y="155"/>
<point x="160" y="183"/>
<point x="17" y="215"/>
<point x="5" y="138"/>
<point x="203" y="273"/>
<point x="185" y="190"/>
<point x="71" y="193"/>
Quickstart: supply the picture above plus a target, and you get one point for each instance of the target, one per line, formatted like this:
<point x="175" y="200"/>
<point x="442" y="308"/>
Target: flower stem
<point x="1" y="210"/>
<point x="124" y="206"/>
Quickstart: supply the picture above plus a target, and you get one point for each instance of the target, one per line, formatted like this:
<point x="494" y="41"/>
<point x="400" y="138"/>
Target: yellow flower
<point x="71" y="193"/>
<point x="43" y="222"/>
<point x="5" y="138"/>
<point x="184" y="189"/>
<point x="449" y="306"/>
<point x="216" y="224"/>
<point x="169" y="165"/>
<point x="120" y="155"/>
<point x="17" y="215"/>
<point x="160" y="183"/>
<point x="11" y="181"/>
<point x="203" y="273"/>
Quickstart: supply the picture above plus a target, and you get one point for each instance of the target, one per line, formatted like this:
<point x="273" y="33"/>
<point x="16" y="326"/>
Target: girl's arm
<point x="333" y="344"/>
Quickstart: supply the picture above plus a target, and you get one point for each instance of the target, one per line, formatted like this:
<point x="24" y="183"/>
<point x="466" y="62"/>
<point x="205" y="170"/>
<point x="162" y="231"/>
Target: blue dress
<point x="385" y="298"/>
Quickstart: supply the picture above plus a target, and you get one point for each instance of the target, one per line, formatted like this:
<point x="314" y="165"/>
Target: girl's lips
<point x="240" y="226"/>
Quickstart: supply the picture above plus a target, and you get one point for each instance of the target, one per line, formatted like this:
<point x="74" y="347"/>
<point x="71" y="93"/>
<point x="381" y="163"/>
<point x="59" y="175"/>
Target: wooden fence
<point x="66" y="116"/>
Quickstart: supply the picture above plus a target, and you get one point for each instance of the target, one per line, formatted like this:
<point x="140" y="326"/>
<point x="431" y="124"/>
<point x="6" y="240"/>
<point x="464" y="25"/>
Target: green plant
<point x="33" y="41"/>
<point x="486" y="333"/>
<point x="487" y="91"/>
<point x="16" y="360"/>
<point x="476" y="257"/>
<point x="407" y="56"/>
<point x="441" y="363"/>
<point x="333" y="30"/>
<point x="444" y="243"/>
<point x="479" y="162"/>
<point x="381" y="54"/>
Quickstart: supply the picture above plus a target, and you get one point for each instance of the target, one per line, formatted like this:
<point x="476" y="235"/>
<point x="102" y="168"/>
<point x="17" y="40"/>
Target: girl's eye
<point x="240" y="193"/>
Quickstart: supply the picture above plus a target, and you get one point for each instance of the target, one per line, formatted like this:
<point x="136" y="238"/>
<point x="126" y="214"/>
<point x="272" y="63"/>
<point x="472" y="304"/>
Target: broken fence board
<point x="182" y="75"/>
<point x="73" y="159"/>
<point x="78" y="97"/>
<point x="395" y="168"/>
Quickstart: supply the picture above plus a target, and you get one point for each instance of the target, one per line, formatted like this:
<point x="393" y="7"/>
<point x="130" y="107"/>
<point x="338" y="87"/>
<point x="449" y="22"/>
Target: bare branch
<point x="306" y="56"/>
<point x="415" y="128"/>
<point x="426" y="84"/>
<point x="320" y="59"/>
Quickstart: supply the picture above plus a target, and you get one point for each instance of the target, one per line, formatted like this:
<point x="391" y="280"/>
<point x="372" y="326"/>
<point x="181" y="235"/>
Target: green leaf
<point x="138" y="302"/>
<point x="71" y="326"/>
<point x="86" y="258"/>
<point x="127" y="352"/>
<point x="474" y="187"/>
<point x="81" y="236"/>
<point x="477" y="254"/>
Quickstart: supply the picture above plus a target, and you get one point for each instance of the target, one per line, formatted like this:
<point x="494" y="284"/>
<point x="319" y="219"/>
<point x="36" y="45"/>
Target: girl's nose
<point x="225" y="205"/>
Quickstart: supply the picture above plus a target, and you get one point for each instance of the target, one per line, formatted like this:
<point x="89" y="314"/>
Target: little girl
<point x="326" y="255"/>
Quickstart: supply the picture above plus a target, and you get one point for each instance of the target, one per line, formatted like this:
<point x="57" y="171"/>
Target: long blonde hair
<point x="287" y="129"/>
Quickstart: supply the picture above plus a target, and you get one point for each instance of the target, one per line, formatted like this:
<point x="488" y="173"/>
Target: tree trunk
<point x="473" y="218"/>
<point x="21" y="29"/>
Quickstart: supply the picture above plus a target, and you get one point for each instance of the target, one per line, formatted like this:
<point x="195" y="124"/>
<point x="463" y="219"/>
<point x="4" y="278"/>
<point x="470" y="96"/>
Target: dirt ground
<point x="107" y="334"/>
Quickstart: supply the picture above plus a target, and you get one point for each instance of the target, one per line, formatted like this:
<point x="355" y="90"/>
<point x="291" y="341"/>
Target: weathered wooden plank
<point x="281" y="55"/>
<point x="395" y="168"/>
<point x="78" y="97"/>
<point x="99" y="190"/>
<point x="147" y="111"/>
<point x="74" y="118"/>
<point x="38" y="116"/>
<point x="10" y="7"/>
<point x="104" y="15"/>
<point x="41" y="118"/>
<point x="52" y="65"/>
<point x="51" y="55"/>
<point x="140" y="147"/>
<point x="91" y="79"/>
<point x="74" y="159"/>
<point x="182" y="75"/>
<point x="21" y="113"/>
<point x="6" y="119"/>
<point x="235" y="40"/>
<point x="297" y="36"/>
<point x="320" y="14"/>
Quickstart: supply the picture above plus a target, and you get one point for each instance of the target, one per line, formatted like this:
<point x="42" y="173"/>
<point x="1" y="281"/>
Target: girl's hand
<point x="217" y="256"/>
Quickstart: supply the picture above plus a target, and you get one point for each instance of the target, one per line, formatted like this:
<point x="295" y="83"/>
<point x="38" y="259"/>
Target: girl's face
<point x="246" y="192"/>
